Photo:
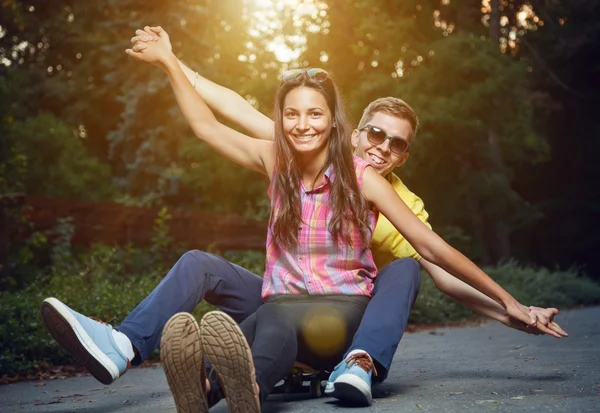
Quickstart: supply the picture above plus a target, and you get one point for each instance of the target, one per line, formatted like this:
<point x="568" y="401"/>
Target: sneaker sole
<point x="182" y="362"/>
<point x="351" y="389"/>
<point x="71" y="336"/>
<point x="226" y="347"/>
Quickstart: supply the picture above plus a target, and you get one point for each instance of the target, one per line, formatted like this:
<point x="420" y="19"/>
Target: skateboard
<point x="302" y="379"/>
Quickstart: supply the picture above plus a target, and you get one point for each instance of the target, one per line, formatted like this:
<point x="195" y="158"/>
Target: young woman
<point x="317" y="246"/>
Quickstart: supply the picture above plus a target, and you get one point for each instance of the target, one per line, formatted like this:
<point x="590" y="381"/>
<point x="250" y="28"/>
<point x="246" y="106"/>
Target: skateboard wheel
<point x="316" y="390"/>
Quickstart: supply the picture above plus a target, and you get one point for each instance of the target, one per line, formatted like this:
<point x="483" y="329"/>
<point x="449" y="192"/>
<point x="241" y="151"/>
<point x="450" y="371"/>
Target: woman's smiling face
<point x="307" y="120"/>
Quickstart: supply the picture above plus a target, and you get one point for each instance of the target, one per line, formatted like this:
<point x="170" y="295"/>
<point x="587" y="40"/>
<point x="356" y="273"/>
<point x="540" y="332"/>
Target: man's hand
<point x="157" y="52"/>
<point x="150" y="34"/>
<point x="519" y="312"/>
<point x="545" y="323"/>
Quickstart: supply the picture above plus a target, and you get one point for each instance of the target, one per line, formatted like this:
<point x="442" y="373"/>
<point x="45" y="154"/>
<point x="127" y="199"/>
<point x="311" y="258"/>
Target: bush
<point x="546" y="288"/>
<point x="95" y="284"/>
<point x="57" y="162"/>
<point x="25" y="340"/>
<point x="528" y="284"/>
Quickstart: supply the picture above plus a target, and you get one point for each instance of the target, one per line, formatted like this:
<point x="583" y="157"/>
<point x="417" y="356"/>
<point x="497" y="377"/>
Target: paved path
<point x="475" y="369"/>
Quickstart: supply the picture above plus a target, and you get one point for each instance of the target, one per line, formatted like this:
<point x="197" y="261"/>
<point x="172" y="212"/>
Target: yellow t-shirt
<point x="387" y="243"/>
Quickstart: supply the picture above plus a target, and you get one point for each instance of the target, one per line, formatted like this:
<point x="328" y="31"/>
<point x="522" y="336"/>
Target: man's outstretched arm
<point x="220" y="99"/>
<point x="482" y="304"/>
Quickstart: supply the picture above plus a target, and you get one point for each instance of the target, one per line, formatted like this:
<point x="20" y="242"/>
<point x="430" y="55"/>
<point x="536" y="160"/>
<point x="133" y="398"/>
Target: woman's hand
<point x="149" y="34"/>
<point x="545" y="316"/>
<point x="544" y="320"/>
<point x="156" y="50"/>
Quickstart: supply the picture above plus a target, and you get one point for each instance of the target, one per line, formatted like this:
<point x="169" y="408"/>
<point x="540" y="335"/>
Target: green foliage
<point x="546" y="288"/>
<point x="530" y="285"/>
<point x="253" y="261"/>
<point x="57" y="161"/>
<point x="25" y="340"/>
<point x="106" y="282"/>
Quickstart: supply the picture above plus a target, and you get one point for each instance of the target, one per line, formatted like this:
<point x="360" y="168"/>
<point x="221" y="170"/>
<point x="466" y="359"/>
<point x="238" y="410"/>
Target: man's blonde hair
<point x="394" y="107"/>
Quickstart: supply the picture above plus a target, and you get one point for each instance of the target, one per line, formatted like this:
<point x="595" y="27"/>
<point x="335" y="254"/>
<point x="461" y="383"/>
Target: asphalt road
<point x="489" y="368"/>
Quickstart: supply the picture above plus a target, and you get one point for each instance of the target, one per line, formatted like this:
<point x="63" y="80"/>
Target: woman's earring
<point x="334" y="125"/>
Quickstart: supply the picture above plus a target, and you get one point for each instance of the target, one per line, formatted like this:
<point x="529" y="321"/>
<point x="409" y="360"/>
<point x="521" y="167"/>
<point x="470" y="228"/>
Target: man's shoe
<point x="227" y="350"/>
<point x="183" y="362"/>
<point x="341" y="368"/>
<point x="350" y="381"/>
<point x="90" y="342"/>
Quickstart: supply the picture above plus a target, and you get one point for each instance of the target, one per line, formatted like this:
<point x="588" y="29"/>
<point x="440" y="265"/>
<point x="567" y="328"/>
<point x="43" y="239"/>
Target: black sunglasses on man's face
<point x="377" y="136"/>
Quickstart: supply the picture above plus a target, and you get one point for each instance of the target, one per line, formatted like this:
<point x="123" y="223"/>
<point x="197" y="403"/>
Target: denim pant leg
<point x="386" y="316"/>
<point x="196" y="276"/>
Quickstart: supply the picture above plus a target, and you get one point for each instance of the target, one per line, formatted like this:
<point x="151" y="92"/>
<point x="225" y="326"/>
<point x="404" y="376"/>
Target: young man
<point x="385" y="132"/>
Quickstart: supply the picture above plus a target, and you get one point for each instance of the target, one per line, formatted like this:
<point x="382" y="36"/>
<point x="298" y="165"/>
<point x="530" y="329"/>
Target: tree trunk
<point x="498" y="235"/>
<point x="10" y="204"/>
<point x="4" y="246"/>
<point x="478" y="223"/>
<point x="495" y="21"/>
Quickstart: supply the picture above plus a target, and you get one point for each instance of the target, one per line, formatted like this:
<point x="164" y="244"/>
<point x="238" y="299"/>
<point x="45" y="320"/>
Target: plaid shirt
<point x="317" y="266"/>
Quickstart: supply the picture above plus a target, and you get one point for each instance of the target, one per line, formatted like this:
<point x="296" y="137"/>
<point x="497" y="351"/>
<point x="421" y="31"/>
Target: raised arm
<point x="220" y="99"/>
<point x="251" y="153"/>
<point x="434" y="249"/>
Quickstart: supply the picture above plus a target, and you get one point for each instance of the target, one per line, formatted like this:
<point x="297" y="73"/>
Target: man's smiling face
<point x="380" y="156"/>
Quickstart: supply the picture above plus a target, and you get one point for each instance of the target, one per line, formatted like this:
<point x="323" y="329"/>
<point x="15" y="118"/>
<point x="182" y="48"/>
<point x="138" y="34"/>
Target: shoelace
<point x="363" y="361"/>
<point x="212" y="374"/>
<point x="106" y="323"/>
<point x="215" y="394"/>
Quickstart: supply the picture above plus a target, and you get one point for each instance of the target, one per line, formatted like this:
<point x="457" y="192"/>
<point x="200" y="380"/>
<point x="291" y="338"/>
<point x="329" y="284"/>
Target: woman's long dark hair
<point x="350" y="208"/>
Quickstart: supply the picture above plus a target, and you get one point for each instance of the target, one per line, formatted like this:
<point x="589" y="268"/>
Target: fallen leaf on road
<point x="518" y="398"/>
<point x="128" y="385"/>
<point x="71" y="395"/>
<point x="5" y="379"/>
<point x="99" y="388"/>
<point x="40" y="384"/>
<point x="38" y="403"/>
<point x="560" y="396"/>
<point x="456" y="392"/>
<point x="486" y="401"/>
<point x="418" y="406"/>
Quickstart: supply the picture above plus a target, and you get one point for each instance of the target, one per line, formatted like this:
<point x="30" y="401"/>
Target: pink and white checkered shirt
<point x="317" y="266"/>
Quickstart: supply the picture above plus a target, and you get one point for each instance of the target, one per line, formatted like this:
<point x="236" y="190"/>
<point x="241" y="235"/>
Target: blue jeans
<point x="386" y="316"/>
<point x="199" y="275"/>
<point x="196" y="276"/>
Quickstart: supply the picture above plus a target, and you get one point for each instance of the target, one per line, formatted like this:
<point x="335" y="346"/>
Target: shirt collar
<point x="328" y="176"/>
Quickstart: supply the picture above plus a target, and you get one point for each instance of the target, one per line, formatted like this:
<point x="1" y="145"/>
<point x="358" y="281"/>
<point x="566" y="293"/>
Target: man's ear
<point x="402" y="159"/>
<point x="354" y="138"/>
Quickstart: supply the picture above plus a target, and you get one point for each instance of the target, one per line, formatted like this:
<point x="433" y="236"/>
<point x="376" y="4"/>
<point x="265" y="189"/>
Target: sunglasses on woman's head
<point x="377" y="136"/>
<point x="315" y="73"/>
